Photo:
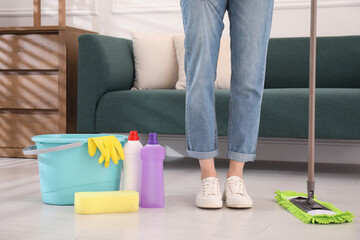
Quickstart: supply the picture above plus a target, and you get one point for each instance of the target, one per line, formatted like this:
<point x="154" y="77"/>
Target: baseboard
<point x="275" y="149"/>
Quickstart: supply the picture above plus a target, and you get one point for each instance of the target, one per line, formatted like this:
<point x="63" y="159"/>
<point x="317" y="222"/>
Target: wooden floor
<point x="24" y="216"/>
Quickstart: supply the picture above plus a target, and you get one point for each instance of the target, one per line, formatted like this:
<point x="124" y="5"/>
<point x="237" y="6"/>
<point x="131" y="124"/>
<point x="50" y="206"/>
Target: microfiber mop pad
<point x="333" y="215"/>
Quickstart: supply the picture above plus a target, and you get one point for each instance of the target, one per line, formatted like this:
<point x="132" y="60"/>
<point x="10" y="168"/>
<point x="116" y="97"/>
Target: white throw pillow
<point x="156" y="65"/>
<point x="223" y="72"/>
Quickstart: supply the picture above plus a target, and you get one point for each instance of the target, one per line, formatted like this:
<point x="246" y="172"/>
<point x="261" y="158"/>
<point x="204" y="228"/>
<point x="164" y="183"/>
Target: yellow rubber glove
<point x="97" y="142"/>
<point x="117" y="151"/>
<point x="109" y="147"/>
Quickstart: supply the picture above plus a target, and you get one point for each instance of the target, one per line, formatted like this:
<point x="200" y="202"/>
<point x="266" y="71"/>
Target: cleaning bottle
<point x="132" y="163"/>
<point x="152" y="183"/>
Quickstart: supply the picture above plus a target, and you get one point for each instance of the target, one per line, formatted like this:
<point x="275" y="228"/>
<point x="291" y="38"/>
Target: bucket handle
<point x="32" y="150"/>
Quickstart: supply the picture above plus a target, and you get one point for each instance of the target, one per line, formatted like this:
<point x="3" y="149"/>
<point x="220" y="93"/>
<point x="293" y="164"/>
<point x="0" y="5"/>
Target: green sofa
<point x="106" y="73"/>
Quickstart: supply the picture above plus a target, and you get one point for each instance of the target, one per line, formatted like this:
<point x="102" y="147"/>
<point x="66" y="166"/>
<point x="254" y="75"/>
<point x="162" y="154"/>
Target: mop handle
<point x="312" y="86"/>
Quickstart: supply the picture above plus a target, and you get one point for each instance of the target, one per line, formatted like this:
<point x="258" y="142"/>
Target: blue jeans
<point x="250" y="25"/>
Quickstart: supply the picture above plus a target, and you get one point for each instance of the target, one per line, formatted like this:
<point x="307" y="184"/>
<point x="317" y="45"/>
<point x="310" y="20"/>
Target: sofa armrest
<point x="104" y="64"/>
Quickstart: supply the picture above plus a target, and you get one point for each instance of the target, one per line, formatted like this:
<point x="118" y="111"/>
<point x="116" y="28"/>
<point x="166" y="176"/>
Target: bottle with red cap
<point x="132" y="163"/>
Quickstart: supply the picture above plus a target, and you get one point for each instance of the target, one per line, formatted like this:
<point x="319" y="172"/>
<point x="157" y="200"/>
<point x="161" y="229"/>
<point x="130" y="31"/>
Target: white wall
<point x="119" y="17"/>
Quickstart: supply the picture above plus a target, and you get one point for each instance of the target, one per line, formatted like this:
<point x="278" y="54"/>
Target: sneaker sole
<point x="209" y="204"/>
<point x="237" y="204"/>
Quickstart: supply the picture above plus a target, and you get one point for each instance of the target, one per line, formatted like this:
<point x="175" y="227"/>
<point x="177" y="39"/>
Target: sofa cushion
<point x="338" y="62"/>
<point x="155" y="61"/>
<point x="284" y="112"/>
<point x="223" y="72"/>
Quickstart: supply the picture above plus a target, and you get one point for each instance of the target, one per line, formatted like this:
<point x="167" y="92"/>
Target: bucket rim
<point x="71" y="138"/>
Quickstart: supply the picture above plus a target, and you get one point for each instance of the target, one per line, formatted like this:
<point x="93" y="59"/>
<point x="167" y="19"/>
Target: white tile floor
<point x="23" y="216"/>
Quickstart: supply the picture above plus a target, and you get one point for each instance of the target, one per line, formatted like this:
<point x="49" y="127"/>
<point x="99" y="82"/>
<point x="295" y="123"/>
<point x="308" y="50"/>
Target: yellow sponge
<point x="106" y="202"/>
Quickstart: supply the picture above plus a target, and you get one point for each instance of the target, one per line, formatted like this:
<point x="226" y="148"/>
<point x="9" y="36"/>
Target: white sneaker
<point x="209" y="195"/>
<point x="235" y="193"/>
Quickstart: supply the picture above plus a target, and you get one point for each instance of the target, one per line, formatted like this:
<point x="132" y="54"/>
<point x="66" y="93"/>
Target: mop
<point x="307" y="207"/>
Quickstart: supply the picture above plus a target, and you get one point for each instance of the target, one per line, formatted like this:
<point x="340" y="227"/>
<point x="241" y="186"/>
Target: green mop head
<point x="335" y="215"/>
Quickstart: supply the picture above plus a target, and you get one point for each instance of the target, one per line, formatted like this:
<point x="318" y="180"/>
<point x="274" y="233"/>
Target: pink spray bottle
<point x="152" y="182"/>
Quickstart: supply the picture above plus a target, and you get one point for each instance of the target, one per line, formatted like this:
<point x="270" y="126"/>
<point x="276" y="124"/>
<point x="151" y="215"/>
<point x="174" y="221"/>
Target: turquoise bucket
<point x="65" y="167"/>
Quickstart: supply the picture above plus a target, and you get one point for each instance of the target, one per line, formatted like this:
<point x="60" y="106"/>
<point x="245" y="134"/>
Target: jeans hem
<point x="202" y="155"/>
<point x="240" y="157"/>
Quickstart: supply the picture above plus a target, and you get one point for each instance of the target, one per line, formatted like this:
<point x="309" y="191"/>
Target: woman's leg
<point x="203" y="26"/>
<point x="235" y="168"/>
<point x="207" y="167"/>
<point x="250" y="24"/>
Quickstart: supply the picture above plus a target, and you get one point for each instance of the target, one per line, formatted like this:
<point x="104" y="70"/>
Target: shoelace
<point x="236" y="186"/>
<point x="210" y="187"/>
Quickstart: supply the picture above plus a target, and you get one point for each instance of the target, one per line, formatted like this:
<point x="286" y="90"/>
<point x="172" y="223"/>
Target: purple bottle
<point x="152" y="182"/>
